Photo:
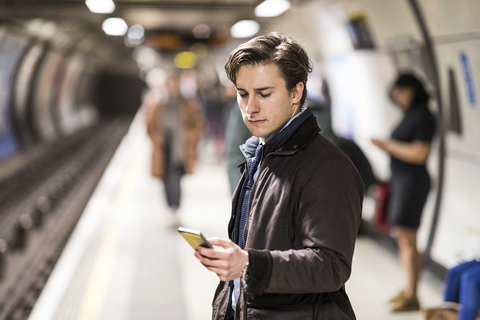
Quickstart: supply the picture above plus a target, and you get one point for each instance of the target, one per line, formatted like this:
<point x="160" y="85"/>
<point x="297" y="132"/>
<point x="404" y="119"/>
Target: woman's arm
<point x="415" y="152"/>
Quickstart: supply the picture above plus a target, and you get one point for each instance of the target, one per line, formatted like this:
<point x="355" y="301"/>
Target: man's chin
<point x="257" y="134"/>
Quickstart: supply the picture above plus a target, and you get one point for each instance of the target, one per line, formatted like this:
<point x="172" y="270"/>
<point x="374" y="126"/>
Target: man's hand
<point x="227" y="262"/>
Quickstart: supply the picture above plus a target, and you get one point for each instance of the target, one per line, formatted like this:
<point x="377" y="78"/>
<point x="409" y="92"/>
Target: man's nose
<point x="252" y="105"/>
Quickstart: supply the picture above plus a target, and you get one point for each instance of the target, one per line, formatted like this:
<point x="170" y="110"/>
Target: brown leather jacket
<point x="303" y="218"/>
<point x="192" y="129"/>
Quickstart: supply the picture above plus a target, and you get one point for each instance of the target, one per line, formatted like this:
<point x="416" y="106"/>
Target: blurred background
<point x="84" y="227"/>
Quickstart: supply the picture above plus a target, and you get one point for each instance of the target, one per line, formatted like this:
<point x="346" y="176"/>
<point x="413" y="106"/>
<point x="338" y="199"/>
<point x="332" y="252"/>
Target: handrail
<point x="441" y="150"/>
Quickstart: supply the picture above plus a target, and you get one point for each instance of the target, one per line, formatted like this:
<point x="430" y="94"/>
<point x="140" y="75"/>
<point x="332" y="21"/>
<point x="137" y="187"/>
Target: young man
<point x="297" y="207"/>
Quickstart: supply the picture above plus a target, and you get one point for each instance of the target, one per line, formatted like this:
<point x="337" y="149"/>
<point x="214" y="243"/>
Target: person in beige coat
<point x="175" y="127"/>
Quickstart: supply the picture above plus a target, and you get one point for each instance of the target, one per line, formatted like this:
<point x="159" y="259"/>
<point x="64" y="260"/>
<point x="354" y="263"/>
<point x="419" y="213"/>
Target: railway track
<point x="42" y="196"/>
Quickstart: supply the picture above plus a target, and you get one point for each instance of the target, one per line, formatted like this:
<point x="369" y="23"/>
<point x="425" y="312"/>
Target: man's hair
<point x="289" y="56"/>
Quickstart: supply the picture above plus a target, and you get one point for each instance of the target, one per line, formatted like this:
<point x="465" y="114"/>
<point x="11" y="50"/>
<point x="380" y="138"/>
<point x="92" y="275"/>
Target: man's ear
<point x="297" y="92"/>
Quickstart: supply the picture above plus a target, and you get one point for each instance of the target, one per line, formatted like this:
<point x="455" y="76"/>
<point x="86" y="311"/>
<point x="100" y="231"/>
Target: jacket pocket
<point x="220" y="301"/>
<point x="334" y="306"/>
<point x="296" y="312"/>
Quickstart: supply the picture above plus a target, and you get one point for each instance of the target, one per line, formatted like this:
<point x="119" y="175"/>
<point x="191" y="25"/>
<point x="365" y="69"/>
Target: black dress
<point x="410" y="183"/>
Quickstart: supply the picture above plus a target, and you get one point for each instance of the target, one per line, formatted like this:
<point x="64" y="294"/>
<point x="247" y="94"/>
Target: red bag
<point x="381" y="206"/>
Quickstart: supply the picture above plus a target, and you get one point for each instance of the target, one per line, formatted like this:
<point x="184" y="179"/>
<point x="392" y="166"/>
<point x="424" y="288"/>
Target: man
<point x="297" y="207"/>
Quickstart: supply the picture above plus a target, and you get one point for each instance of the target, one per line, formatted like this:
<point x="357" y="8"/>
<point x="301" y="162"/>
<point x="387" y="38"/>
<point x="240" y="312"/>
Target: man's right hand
<point x="227" y="262"/>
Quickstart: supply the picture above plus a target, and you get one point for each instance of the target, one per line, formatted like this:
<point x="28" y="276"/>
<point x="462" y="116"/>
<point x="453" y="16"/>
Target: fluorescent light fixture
<point x="115" y="26"/>
<point x="272" y="8"/>
<point x="244" y="29"/>
<point x="100" y="6"/>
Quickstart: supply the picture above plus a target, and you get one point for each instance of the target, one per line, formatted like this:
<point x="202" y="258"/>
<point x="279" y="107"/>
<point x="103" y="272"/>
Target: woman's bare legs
<point x="411" y="262"/>
<point x="410" y="258"/>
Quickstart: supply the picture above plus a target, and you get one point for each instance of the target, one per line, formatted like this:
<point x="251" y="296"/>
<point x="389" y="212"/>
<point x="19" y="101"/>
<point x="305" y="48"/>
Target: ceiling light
<point x="100" y="6"/>
<point x="244" y="29"/>
<point x="200" y="49"/>
<point x="201" y="31"/>
<point x="146" y="57"/>
<point x="185" y="60"/>
<point x="115" y="26"/>
<point x="135" y="36"/>
<point x="136" y="32"/>
<point x="272" y="8"/>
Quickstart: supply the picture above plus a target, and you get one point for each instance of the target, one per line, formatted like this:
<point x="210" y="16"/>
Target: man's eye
<point x="243" y="95"/>
<point x="265" y="95"/>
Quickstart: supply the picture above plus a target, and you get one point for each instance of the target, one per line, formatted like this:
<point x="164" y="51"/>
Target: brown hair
<point x="289" y="56"/>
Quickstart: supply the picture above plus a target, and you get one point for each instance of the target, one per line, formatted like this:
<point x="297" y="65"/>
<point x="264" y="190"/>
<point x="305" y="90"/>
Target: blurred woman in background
<point x="408" y="148"/>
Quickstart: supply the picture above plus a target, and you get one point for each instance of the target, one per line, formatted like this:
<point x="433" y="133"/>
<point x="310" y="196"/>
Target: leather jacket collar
<point x="278" y="141"/>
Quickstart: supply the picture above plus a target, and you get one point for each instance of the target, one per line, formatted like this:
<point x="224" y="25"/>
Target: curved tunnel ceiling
<point x="152" y="14"/>
<point x="156" y="16"/>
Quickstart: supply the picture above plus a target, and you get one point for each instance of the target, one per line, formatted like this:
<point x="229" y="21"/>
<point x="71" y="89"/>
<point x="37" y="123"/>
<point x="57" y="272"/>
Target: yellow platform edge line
<point x="100" y="276"/>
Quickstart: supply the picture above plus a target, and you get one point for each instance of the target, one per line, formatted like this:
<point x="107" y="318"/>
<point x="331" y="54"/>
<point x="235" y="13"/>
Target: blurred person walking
<point x="297" y="206"/>
<point x="408" y="148"/>
<point x="175" y="126"/>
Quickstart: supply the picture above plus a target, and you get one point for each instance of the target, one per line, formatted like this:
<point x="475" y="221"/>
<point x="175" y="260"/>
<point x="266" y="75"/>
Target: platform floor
<point x="123" y="261"/>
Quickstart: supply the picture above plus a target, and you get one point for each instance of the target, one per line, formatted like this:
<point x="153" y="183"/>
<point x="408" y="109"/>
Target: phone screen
<point x="194" y="238"/>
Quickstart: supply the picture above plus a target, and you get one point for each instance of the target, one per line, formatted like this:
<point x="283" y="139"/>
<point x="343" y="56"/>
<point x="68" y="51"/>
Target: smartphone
<point x="194" y="238"/>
